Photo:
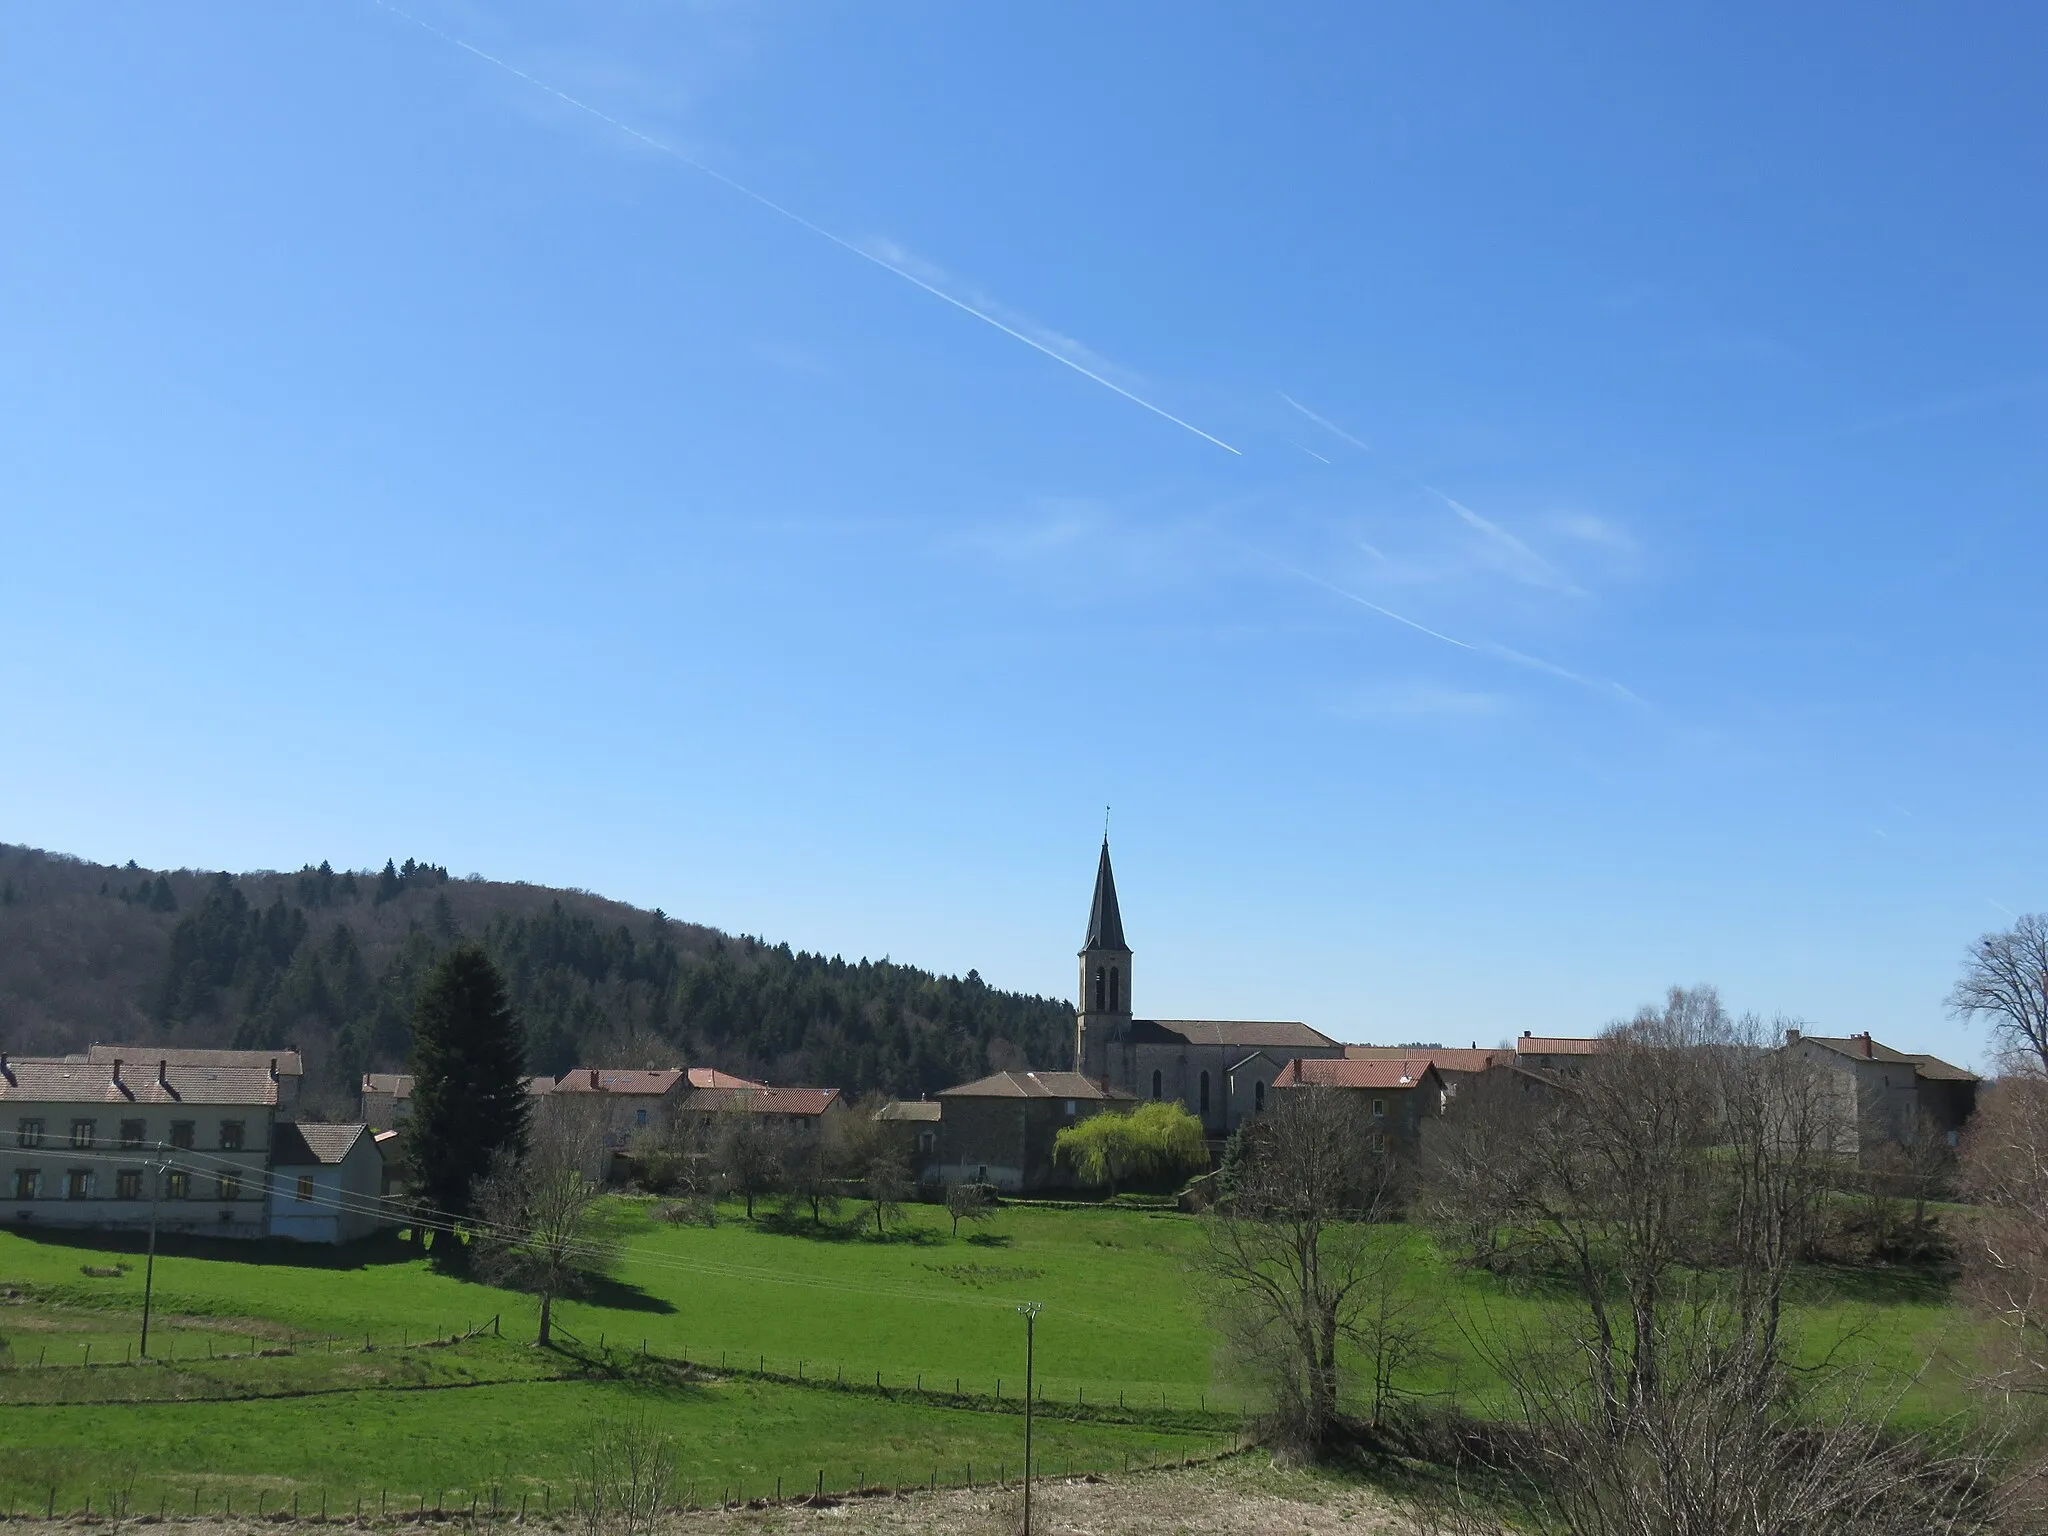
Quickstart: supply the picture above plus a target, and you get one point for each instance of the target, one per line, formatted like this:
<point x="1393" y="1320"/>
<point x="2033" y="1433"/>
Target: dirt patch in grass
<point x="1242" y="1497"/>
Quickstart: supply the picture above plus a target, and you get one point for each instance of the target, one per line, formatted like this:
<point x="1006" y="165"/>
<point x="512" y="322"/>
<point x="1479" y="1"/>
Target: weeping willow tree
<point x="1156" y="1141"/>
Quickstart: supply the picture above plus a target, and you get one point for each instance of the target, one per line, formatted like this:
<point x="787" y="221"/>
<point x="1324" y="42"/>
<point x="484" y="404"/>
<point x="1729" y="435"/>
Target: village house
<point x="1456" y="1065"/>
<point x="999" y="1130"/>
<point x="81" y="1141"/>
<point x="1887" y="1095"/>
<point x="386" y="1097"/>
<point x="326" y="1183"/>
<point x="807" y="1110"/>
<point x="1397" y="1097"/>
<point x="916" y="1123"/>
<point x="1561" y="1055"/>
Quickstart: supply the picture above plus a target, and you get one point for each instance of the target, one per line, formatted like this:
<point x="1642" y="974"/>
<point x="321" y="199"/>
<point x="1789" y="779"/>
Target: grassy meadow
<point x="277" y="1368"/>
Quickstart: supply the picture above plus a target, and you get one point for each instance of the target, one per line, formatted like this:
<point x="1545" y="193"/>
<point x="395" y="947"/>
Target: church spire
<point x="1105" y="922"/>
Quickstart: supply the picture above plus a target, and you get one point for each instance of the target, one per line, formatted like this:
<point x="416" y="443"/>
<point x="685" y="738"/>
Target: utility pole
<point x="156" y="1179"/>
<point x="1030" y="1309"/>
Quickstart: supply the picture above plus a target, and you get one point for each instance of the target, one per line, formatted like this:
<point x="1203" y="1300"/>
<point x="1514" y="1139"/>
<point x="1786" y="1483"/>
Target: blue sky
<point x="1624" y="568"/>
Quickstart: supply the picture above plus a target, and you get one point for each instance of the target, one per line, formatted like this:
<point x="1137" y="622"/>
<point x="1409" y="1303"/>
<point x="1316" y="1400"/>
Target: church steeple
<point x="1105" y="922"/>
<point x="1103" y="1017"/>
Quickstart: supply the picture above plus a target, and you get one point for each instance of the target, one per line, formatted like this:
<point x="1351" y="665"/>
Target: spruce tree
<point x="469" y="1082"/>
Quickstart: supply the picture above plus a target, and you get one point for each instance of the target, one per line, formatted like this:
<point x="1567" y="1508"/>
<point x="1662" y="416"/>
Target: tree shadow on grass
<point x="1884" y="1285"/>
<point x="991" y="1239"/>
<point x="365" y="1253"/>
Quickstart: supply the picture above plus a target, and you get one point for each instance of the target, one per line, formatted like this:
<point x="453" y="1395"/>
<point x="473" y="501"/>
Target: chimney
<point x="594" y="1084"/>
<point x="1791" y="1037"/>
<point x="1527" y="1033"/>
<point x="117" y="1069"/>
<point x="1868" y="1053"/>
<point x="163" y="1072"/>
<point x="6" y="1071"/>
<point x="273" y="1069"/>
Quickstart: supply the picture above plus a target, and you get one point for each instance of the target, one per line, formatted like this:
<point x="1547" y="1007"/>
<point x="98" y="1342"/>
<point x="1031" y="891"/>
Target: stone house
<point x="999" y="1130"/>
<point x="386" y="1097"/>
<point x="1885" y="1095"/>
<point x="916" y="1123"/>
<point x="1456" y="1065"/>
<point x="1398" y="1097"/>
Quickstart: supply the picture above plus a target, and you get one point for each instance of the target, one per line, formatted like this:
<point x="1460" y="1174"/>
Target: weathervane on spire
<point x="1105" y="823"/>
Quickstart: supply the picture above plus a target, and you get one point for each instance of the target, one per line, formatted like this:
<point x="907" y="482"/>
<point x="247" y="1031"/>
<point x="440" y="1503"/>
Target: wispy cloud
<point x="1511" y="555"/>
<point x="1309" y="451"/>
<point x="1056" y="349"/>
<point x="1328" y="426"/>
<point x="1482" y="647"/>
<point x="1586" y="528"/>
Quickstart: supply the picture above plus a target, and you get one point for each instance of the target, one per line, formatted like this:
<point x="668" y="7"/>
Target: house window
<point x="303" y="1193"/>
<point x="639" y="1117"/>
<point x="1379" y="1109"/>
<point x="131" y="1133"/>
<point x="177" y="1186"/>
<point x="128" y="1184"/>
<point x="1258" y="1098"/>
<point x="1155" y="1082"/>
<point x="1205" y="1093"/>
<point x="181" y="1133"/>
<point x="228" y="1187"/>
<point x="231" y="1135"/>
<point x="81" y="1133"/>
<point x="78" y="1184"/>
<point x="28" y="1183"/>
<point x="30" y="1134"/>
<point x="1070" y="1109"/>
<point x="1115" y="981"/>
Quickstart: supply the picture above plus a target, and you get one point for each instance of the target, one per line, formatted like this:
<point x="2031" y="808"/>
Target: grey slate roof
<point x="1253" y="1034"/>
<point x="302" y="1144"/>
<point x="1034" y="1085"/>
<point x="1105" y="922"/>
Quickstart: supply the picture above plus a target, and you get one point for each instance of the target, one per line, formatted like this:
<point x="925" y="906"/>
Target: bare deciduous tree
<point x="2005" y="981"/>
<point x="749" y="1154"/>
<point x="1291" y="1245"/>
<point x="625" y="1473"/>
<point x="541" y="1226"/>
<point x="969" y="1202"/>
<point x="1732" y="1442"/>
<point x="2004" y="1168"/>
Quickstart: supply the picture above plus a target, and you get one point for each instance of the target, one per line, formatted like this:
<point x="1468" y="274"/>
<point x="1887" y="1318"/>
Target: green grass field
<point x="1125" y="1334"/>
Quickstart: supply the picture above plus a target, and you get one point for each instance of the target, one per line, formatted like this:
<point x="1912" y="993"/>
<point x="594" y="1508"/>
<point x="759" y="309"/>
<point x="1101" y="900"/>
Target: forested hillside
<point x="328" y="961"/>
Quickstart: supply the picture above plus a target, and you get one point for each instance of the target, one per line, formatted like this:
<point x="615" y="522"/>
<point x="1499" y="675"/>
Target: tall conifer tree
<point x="469" y="1081"/>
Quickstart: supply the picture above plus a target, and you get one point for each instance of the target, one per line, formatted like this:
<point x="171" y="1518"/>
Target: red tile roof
<point x="1559" y="1045"/>
<point x="1445" y="1058"/>
<point x="762" y="1101"/>
<point x="1353" y="1072"/>
<point x="649" y="1084"/>
<point x="711" y="1077"/>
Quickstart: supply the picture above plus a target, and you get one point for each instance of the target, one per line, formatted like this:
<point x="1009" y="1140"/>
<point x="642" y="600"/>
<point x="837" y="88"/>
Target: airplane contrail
<point x="798" y="219"/>
<point x="1327" y="425"/>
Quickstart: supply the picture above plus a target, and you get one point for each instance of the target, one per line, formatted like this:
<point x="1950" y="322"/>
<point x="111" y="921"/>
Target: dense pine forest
<point x="329" y="961"/>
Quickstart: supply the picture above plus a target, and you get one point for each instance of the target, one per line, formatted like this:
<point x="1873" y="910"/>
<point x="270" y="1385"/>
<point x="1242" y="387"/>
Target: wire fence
<point x="540" y="1500"/>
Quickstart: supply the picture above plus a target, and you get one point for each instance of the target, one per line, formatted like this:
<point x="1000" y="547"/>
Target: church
<point x="1219" y="1068"/>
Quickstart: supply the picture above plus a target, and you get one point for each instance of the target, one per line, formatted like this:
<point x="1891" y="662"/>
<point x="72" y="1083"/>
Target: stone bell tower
<point x="1103" y="1017"/>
